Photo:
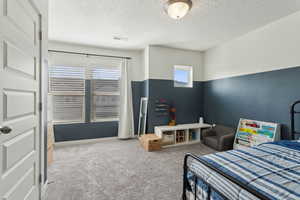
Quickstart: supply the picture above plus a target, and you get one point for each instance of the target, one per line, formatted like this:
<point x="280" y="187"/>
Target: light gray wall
<point x="161" y="62"/>
<point x="274" y="46"/>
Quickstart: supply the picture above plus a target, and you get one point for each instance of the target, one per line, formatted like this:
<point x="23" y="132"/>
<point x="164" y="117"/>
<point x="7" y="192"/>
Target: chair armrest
<point x="208" y="132"/>
<point x="226" y="142"/>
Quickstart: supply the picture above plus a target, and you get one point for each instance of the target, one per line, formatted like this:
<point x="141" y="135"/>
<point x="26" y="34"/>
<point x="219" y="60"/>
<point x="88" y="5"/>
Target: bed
<point x="267" y="171"/>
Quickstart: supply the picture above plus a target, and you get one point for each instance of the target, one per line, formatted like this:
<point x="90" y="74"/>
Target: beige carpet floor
<point x="117" y="170"/>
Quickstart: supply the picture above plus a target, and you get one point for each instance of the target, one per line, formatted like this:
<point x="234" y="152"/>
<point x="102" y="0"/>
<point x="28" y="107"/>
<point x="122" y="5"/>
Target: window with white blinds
<point x="105" y="83"/>
<point x="67" y="88"/>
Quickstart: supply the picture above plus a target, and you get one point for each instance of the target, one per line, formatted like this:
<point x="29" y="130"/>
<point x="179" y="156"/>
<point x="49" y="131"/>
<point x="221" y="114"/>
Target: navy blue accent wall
<point x="80" y="131"/>
<point x="88" y="101"/>
<point x="187" y="101"/>
<point x="263" y="96"/>
<point x="145" y="88"/>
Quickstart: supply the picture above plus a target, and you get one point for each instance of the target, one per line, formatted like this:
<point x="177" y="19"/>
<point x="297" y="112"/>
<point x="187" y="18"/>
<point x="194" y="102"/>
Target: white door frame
<point x="41" y="142"/>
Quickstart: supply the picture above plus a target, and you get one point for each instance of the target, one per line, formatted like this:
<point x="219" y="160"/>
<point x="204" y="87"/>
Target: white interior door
<point x="19" y="99"/>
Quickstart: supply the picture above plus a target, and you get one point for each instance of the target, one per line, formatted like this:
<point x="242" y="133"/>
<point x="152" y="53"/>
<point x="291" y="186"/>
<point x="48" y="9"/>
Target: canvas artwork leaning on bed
<point x="267" y="171"/>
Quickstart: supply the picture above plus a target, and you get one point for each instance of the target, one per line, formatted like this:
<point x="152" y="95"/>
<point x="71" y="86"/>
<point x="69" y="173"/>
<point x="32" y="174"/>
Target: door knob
<point x="5" y="130"/>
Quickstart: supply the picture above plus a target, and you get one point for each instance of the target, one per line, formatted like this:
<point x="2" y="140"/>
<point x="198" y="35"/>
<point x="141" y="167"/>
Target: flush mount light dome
<point x="177" y="9"/>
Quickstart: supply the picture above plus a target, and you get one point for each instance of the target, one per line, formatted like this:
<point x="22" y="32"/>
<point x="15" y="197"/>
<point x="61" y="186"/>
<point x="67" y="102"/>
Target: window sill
<point x="67" y="122"/>
<point x="106" y="120"/>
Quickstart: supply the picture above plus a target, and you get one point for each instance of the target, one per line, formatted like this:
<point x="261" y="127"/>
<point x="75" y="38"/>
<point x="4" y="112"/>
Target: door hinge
<point x="40" y="106"/>
<point x="40" y="35"/>
<point x="40" y="178"/>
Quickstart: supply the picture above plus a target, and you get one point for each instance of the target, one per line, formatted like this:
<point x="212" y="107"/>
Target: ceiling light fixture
<point x="177" y="9"/>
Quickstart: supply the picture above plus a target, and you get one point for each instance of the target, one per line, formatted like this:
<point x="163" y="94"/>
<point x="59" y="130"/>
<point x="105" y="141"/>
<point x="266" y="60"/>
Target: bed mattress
<point x="272" y="169"/>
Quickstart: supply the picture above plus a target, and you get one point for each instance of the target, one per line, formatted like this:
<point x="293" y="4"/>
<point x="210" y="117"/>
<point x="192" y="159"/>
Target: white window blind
<point x="105" y="92"/>
<point x="66" y="85"/>
<point x="66" y="79"/>
<point x="68" y="108"/>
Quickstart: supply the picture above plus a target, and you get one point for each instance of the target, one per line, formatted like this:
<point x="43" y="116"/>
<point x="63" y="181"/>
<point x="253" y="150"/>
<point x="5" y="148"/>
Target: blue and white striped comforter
<point x="272" y="169"/>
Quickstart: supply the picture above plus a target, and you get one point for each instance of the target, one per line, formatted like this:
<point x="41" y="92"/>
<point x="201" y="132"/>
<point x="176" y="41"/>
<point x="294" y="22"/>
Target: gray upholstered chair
<point x="219" y="137"/>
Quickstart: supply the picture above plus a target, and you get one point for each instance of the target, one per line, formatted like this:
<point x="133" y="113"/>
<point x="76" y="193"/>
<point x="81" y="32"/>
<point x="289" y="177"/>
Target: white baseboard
<point x="75" y="142"/>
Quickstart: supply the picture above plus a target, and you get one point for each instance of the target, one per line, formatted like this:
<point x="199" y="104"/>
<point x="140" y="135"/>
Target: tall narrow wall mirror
<point x="143" y="116"/>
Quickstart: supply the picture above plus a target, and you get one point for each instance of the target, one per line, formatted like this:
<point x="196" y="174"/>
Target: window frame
<point x="186" y="68"/>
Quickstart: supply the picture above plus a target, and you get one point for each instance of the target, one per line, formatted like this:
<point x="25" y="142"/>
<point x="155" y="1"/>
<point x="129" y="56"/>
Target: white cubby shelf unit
<point x="182" y="134"/>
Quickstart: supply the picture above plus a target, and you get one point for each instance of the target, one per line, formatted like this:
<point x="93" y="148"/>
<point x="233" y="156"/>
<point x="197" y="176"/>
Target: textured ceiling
<point x="143" y="22"/>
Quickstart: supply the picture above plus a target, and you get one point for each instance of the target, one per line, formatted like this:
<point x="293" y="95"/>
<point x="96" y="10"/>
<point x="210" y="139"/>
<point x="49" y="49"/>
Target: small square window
<point x="183" y="76"/>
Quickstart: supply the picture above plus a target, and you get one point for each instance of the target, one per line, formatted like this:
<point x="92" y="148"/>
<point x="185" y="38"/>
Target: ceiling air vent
<point x="120" y="38"/>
